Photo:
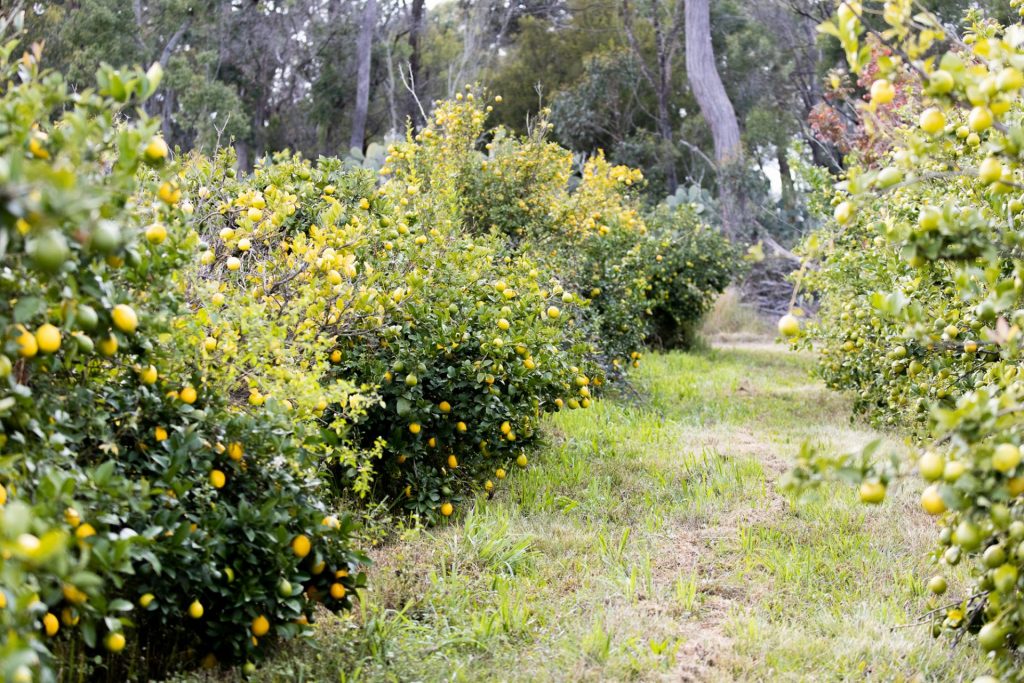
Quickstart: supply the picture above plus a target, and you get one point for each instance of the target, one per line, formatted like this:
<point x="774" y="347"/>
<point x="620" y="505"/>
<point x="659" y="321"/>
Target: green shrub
<point x="134" y="487"/>
<point x="921" y="286"/>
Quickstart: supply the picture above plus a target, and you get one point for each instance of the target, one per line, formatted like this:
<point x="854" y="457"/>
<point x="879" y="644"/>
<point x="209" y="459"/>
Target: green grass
<point x="647" y="541"/>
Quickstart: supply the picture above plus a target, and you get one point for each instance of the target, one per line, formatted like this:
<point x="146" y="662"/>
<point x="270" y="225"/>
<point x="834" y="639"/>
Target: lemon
<point x="872" y="492"/>
<point x="553" y="312"/>
<point x="1006" y="457"/>
<point x="980" y="119"/>
<point x="882" y="91"/>
<point x="124" y="318"/>
<point x="499" y="473"/>
<point x="260" y="626"/>
<point x="50" y="624"/>
<point x="195" y="610"/>
<point x="843" y="213"/>
<point x="146" y="600"/>
<point x="3" y="495"/>
<point x="244" y="244"/>
<point x="488" y="486"/>
<point x="48" y="338"/>
<point x="447" y="509"/>
<point x="85" y="531"/>
<point x="114" y="642"/>
<point x="160" y="434"/>
<point x="148" y="375"/>
<point x="188" y="395"/>
<point x="28" y="346"/>
<point x="931" y="501"/>
<point x="503" y="324"/>
<point x="217" y="479"/>
<point x="990" y="170"/>
<point x="254" y="214"/>
<point x="336" y="356"/>
<point x="72" y="517"/>
<point x="48" y="251"/>
<point x="931" y="465"/>
<point x="156" y="150"/>
<point x="789" y="326"/>
<point x="453" y="462"/>
<point x="233" y="263"/>
<point x="301" y="545"/>
<point x="461" y="426"/>
<point x="156" y="233"/>
<point x="235" y="450"/>
<point x="414" y="428"/>
<point x="444" y="407"/>
<point x="331" y="522"/>
<point x="932" y="121"/>
<point x="506" y="427"/>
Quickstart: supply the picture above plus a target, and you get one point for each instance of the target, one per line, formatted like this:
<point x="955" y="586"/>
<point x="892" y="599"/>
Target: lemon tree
<point x="920" y="283"/>
<point x="140" y="503"/>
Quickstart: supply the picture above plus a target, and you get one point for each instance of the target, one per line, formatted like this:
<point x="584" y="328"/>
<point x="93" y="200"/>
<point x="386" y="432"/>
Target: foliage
<point x="141" y="504"/>
<point x="921" y="286"/>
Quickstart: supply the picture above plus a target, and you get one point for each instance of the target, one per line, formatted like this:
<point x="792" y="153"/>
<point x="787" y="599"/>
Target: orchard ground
<point x="649" y="541"/>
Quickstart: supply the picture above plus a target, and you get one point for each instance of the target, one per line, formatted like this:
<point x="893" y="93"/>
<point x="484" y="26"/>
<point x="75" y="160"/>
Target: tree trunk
<point x="364" y="49"/>
<point x="719" y="114"/>
<point x="415" y="62"/>
<point x="786" y="176"/>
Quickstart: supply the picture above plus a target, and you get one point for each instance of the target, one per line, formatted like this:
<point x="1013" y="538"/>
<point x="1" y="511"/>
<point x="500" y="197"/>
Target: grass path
<point x="648" y="542"/>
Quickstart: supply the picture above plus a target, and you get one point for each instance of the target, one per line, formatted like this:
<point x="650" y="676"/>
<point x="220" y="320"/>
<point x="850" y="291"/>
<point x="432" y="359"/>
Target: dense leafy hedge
<point x="921" y="289"/>
<point x="138" y="504"/>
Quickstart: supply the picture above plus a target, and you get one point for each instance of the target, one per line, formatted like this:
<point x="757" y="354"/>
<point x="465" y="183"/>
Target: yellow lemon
<point x="28" y="346"/>
<point x="444" y="407"/>
<point x="301" y="545"/>
<point x="156" y="233"/>
<point x="553" y="312"/>
<point x="160" y="433"/>
<point x="414" y="428"/>
<point x="461" y="426"/>
<point x="882" y="91"/>
<point x="499" y="473"/>
<point x="447" y="509"/>
<point x="124" y="318"/>
<point x="453" y="462"/>
<point x="114" y="642"/>
<point x="148" y="375"/>
<point x="521" y="460"/>
<point x="260" y="626"/>
<point x="195" y="610"/>
<point x="188" y="395"/>
<point x="51" y="624"/>
<point x="235" y="450"/>
<point x="337" y="591"/>
<point x="931" y="501"/>
<point x="932" y="120"/>
<point x="146" y="600"/>
<point x="48" y="338"/>
<point x="217" y="479"/>
<point x="108" y="345"/>
<point x="156" y="151"/>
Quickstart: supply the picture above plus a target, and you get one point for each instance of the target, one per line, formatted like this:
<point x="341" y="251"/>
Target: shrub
<point x="920" y="280"/>
<point x="465" y="347"/>
<point x="133" y="491"/>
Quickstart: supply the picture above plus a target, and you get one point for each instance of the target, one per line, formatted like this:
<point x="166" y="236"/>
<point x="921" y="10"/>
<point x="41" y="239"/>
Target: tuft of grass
<point x="648" y="542"/>
<point x="733" y="320"/>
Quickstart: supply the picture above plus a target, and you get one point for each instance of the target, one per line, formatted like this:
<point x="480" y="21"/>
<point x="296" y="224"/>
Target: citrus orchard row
<point x="208" y="376"/>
